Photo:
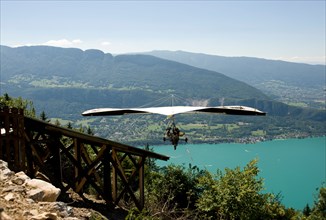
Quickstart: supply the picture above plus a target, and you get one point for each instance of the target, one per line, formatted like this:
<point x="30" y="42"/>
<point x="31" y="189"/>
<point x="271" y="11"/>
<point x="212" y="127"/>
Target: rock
<point x="3" y="164"/>
<point x="10" y="197"/>
<point x="25" y="198"/>
<point x="59" y="207"/>
<point x="32" y="212"/>
<point x="9" y="189"/>
<point x="14" y="188"/>
<point x="51" y="193"/>
<point x="30" y="201"/>
<point x="45" y="216"/>
<point x="5" y="172"/>
<point x="20" y="178"/>
<point x="4" y="216"/>
<point x="36" y="194"/>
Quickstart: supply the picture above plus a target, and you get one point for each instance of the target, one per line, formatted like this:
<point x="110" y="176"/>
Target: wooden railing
<point x="72" y="159"/>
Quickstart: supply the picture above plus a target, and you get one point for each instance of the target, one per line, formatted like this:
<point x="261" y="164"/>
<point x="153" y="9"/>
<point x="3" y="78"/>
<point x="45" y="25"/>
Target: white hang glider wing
<point x="173" y="110"/>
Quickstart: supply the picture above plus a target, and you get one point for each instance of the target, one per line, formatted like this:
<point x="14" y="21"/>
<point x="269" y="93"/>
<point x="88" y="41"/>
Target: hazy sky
<point x="286" y="30"/>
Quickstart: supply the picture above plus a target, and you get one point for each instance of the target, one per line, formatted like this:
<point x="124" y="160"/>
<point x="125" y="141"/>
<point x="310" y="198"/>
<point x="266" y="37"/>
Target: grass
<point x="258" y="133"/>
<point x="85" y="122"/>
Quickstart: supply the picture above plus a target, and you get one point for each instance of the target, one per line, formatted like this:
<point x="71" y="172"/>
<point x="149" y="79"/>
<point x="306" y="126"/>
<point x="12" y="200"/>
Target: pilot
<point x="167" y="133"/>
<point x="174" y="134"/>
<point x="176" y="131"/>
<point x="175" y="141"/>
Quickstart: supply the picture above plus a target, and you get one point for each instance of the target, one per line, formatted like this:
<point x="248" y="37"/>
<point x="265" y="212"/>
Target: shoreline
<point x="246" y="140"/>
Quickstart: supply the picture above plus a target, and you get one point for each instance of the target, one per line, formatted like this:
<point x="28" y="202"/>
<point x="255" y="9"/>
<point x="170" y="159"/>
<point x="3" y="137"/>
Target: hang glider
<point x="173" y="110"/>
<point x="172" y="132"/>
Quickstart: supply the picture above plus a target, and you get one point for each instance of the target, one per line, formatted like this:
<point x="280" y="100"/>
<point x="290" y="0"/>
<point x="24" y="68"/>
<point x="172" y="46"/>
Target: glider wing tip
<point x="262" y="113"/>
<point x="87" y="113"/>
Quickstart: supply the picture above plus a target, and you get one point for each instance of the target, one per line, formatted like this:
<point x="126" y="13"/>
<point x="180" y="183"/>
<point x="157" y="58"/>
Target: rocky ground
<point x="32" y="199"/>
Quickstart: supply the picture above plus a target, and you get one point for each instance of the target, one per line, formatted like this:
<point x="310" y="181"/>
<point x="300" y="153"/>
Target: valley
<point x="65" y="82"/>
<point x="296" y="84"/>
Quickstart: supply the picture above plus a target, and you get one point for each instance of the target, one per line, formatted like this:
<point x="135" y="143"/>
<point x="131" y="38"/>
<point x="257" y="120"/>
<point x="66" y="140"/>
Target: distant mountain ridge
<point x="288" y="82"/>
<point x="299" y="74"/>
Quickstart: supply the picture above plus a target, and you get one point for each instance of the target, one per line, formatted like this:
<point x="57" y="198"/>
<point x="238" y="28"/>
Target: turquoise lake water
<point x="293" y="167"/>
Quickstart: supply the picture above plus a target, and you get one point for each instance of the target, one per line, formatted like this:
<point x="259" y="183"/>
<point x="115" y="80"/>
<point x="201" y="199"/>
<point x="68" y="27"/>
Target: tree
<point x="233" y="195"/>
<point x="319" y="209"/>
<point x="236" y="194"/>
<point x="43" y="117"/>
<point x="69" y="125"/>
<point x="306" y="210"/>
<point x="26" y="105"/>
<point x="171" y="192"/>
<point x="174" y="192"/>
<point x="89" y="131"/>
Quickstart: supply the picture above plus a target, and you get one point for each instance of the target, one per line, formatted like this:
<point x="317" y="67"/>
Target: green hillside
<point x="66" y="82"/>
<point x="95" y="78"/>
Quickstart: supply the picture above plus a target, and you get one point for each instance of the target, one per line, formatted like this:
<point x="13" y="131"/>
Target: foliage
<point x="319" y="210"/>
<point x="237" y="195"/>
<point x="19" y="102"/>
<point x="175" y="192"/>
<point x="175" y="185"/>
<point x="171" y="192"/>
<point x="234" y="196"/>
<point x="44" y="117"/>
<point x="135" y="214"/>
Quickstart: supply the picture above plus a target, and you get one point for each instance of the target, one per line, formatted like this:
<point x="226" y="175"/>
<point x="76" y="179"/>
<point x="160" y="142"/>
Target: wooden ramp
<point x="72" y="159"/>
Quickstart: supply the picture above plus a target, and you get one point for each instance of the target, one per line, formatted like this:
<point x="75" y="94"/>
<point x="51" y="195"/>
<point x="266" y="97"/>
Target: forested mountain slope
<point x="293" y="83"/>
<point x="127" y="80"/>
<point x="66" y="82"/>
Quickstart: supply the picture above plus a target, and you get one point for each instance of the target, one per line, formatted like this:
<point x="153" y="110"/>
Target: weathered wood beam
<point x="107" y="185"/>
<point x="78" y="165"/>
<point x="119" y="169"/>
<point x="115" y="176"/>
<point x="141" y="182"/>
<point x="77" y="156"/>
<point x="56" y="158"/>
<point x="92" y="164"/>
<point x="89" y="139"/>
<point x="90" y="169"/>
<point x="139" y="169"/>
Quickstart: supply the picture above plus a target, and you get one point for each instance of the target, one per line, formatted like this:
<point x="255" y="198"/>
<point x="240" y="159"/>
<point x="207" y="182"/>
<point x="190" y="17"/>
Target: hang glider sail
<point x="173" y="110"/>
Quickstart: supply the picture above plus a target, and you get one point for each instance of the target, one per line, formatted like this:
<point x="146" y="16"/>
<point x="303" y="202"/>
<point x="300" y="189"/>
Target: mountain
<point x="65" y="82"/>
<point x="99" y="79"/>
<point x="287" y="82"/>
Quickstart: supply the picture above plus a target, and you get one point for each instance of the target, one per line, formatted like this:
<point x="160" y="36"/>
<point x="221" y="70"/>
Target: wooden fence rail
<point x="72" y="159"/>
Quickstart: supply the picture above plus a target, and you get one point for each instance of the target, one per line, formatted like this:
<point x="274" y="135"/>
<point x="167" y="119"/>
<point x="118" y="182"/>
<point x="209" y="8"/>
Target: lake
<point x="293" y="167"/>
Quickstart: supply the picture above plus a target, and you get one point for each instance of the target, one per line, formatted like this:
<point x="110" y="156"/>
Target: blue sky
<point x="285" y="30"/>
